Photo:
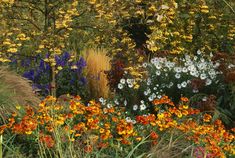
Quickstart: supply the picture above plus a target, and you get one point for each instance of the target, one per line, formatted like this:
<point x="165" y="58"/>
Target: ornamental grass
<point x="97" y="64"/>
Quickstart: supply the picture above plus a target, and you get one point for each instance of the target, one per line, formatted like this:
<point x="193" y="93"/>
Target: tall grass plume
<point x="15" y="90"/>
<point x="97" y="64"/>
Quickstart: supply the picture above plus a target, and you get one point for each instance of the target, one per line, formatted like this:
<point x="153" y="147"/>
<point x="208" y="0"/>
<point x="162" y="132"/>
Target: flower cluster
<point x="95" y="126"/>
<point x="185" y="76"/>
<point x="69" y="73"/>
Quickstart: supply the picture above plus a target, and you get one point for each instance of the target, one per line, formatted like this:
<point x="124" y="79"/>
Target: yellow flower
<point x="18" y="107"/>
<point x="74" y="67"/>
<point x="28" y="132"/>
<point x="136" y="86"/>
<point x="101" y="130"/>
<point x="59" y="68"/>
<point x="138" y="139"/>
<point x="12" y="50"/>
<point x="160" y="116"/>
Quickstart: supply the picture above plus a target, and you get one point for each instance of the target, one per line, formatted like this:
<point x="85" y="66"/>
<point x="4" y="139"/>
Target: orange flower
<point x="88" y="149"/>
<point x="102" y="145"/>
<point x="163" y="100"/>
<point x="138" y="138"/>
<point x="2" y="128"/>
<point x="184" y="99"/>
<point x="153" y="135"/>
<point x="126" y="142"/>
<point x="47" y="140"/>
<point x="207" y="118"/>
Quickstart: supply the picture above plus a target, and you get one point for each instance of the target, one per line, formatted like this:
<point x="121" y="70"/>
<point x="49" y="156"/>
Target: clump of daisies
<point x="185" y="76"/>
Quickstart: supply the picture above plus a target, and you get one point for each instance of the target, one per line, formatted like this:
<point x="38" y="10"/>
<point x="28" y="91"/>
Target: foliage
<point x="139" y="29"/>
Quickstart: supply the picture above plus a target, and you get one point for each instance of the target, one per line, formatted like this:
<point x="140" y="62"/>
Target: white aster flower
<point x="120" y="86"/>
<point x="109" y="105"/>
<point x="199" y="52"/>
<point x="158" y="73"/>
<point x="179" y="86"/>
<point x="178" y="69"/>
<point x="184" y="84"/>
<point x="101" y="100"/>
<point x="177" y="76"/>
<point x="122" y="81"/>
<point x="135" y="107"/>
<point x="150" y="98"/>
<point x="203" y="76"/>
<point x="185" y="69"/>
<point x="208" y="82"/>
<point x="130" y="85"/>
<point x="128" y="81"/>
<point x="128" y="119"/>
<point x="142" y="107"/>
<point x="116" y="102"/>
<point x="158" y="66"/>
<point x="145" y="65"/>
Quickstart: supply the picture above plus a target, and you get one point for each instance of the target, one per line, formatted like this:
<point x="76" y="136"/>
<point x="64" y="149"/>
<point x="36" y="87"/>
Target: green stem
<point x="229" y="6"/>
<point x="1" y="146"/>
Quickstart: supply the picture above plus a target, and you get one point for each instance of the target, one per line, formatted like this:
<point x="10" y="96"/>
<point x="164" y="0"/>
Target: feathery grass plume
<point x="15" y="90"/>
<point x="97" y="64"/>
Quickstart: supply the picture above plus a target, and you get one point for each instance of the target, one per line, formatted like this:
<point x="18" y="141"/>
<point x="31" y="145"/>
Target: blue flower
<point x="29" y="75"/>
<point x="81" y="62"/>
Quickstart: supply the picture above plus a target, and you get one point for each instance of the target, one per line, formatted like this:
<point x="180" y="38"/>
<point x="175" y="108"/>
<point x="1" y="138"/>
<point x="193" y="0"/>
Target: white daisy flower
<point x="178" y="69"/>
<point x="185" y="69"/>
<point x="116" y="102"/>
<point x="128" y="81"/>
<point x="146" y="93"/>
<point x="184" y="84"/>
<point x="158" y="73"/>
<point x="203" y="76"/>
<point x="134" y="121"/>
<point x="208" y="82"/>
<point x="199" y="52"/>
<point x="122" y="81"/>
<point x="109" y="105"/>
<point x="145" y="65"/>
<point x="179" y="86"/>
<point x="142" y="107"/>
<point x="177" y="76"/>
<point x="120" y="86"/>
<point x="101" y="100"/>
<point x="158" y="66"/>
<point x="135" y="107"/>
<point x="128" y="119"/>
<point x="150" y="98"/>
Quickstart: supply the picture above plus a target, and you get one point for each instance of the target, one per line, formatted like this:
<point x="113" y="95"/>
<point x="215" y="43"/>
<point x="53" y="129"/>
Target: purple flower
<point x="81" y="62"/>
<point x="29" y="75"/>
<point x="83" y="80"/>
